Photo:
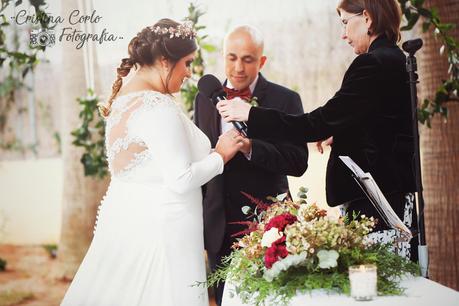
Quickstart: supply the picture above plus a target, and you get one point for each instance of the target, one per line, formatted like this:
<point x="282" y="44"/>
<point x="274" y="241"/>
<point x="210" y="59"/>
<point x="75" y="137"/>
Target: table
<point x="419" y="292"/>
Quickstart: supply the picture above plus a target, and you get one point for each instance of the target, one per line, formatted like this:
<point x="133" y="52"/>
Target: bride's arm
<point x="163" y="131"/>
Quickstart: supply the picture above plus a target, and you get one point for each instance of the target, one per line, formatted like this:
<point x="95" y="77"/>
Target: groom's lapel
<point x="260" y="89"/>
<point x="216" y="125"/>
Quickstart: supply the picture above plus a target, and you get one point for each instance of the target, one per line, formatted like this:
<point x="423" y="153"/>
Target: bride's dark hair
<point x="151" y="44"/>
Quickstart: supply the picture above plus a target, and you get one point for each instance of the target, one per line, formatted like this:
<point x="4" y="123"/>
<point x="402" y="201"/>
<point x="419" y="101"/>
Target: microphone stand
<point x="411" y="46"/>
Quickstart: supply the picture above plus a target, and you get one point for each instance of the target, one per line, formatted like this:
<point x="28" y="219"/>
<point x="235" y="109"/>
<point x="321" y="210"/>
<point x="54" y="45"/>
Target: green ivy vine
<point x="413" y="10"/>
<point x="17" y="61"/>
<point x="189" y="90"/>
<point x="90" y="136"/>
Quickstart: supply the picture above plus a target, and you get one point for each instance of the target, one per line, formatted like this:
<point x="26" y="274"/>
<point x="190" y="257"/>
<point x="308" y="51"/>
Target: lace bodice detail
<point x="125" y="149"/>
<point x="150" y="140"/>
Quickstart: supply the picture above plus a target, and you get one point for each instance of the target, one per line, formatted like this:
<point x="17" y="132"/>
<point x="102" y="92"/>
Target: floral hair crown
<point x="182" y="30"/>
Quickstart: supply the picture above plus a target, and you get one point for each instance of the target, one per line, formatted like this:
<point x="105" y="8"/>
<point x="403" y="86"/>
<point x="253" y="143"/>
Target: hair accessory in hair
<point x="183" y="31"/>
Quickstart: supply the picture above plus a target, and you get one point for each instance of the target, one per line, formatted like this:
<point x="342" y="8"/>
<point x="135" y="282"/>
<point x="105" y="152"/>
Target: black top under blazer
<point x="261" y="176"/>
<point x="370" y="121"/>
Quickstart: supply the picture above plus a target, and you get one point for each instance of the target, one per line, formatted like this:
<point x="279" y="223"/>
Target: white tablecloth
<point x="419" y="292"/>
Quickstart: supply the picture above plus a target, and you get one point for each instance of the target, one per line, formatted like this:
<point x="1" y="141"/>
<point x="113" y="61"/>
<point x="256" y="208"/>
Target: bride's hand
<point x="234" y="110"/>
<point x="326" y="142"/>
<point x="229" y="144"/>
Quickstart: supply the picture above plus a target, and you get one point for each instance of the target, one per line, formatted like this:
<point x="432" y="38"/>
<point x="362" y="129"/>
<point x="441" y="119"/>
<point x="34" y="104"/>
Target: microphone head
<point x="211" y="87"/>
<point x="411" y="46"/>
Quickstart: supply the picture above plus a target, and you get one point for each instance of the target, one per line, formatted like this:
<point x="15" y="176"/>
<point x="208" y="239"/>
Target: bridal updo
<point x="166" y="38"/>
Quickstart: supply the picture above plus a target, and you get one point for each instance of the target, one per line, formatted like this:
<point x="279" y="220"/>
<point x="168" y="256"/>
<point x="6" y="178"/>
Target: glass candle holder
<point x="363" y="279"/>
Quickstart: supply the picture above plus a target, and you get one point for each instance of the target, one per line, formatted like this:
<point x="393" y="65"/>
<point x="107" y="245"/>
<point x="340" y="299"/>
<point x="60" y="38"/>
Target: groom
<point x="261" y="167"/>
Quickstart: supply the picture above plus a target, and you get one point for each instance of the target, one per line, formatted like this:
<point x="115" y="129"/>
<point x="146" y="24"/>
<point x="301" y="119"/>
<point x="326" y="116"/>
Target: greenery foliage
<point x="295" y="247"/>
<point x="90" y="136"/>
<point x="255" y="290"/>
<point x="189" y="90"/>
<point x="16" y="61"/>
<point x="413" y="10"/>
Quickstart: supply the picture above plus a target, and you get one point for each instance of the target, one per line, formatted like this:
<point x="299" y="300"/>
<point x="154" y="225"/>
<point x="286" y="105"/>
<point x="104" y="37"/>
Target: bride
<point x="148" y="242"/>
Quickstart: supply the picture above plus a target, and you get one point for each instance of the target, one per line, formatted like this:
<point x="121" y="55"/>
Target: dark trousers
<point x="215" y="261"/>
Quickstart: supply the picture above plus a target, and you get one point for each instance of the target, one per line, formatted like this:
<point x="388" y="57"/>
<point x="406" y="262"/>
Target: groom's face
<point x="243" y="59"/>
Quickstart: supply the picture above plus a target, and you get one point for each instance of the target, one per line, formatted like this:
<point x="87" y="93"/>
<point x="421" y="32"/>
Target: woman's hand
<point x="246" y="146"/>
<point x="234" y="110"/>
<point x="326" y="142"/>
<point x="229" y="144"/>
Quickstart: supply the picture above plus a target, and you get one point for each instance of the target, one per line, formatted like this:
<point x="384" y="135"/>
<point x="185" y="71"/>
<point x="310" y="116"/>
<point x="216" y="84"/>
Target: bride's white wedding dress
<point x="148" y="243"/>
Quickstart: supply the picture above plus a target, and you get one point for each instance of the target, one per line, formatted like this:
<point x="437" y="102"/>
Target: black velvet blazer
<point x="369" y="118"/>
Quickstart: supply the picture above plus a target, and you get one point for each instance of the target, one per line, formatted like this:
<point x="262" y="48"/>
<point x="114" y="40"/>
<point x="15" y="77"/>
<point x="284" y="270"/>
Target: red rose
<point x="274" y="253"/>
<point x="280" y="222"/>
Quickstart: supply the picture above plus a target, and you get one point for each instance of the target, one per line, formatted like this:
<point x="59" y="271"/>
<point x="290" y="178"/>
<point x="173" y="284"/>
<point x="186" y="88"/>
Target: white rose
<point x="283" y="264"/>
<point x="270" y="236"/>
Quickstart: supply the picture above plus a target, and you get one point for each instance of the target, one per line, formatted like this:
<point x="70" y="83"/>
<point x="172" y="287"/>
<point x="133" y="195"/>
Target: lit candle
<point x="363" y="280"/>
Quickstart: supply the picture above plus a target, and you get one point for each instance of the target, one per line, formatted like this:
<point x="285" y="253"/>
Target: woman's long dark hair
<point x="148" y="46"/>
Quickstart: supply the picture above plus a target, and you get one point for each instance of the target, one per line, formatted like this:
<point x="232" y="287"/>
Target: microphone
<point x="411" y="46"/>
<point x="211" y="87"/>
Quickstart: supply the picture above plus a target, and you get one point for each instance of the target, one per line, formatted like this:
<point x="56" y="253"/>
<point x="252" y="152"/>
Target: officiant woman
<point x="369" y="117"/>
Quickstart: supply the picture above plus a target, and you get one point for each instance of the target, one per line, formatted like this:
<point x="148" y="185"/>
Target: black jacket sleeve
<point x="354" y="102"/>
<point x="282" y="157"/>
<point x="196" y="110"/>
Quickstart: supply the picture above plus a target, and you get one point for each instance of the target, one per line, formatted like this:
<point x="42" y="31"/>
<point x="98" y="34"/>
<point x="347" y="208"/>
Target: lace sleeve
<point x="162" y="129"/>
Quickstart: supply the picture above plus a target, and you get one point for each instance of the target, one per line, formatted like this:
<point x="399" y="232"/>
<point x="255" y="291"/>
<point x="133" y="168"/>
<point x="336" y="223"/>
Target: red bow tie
<point x="233" y="93"/>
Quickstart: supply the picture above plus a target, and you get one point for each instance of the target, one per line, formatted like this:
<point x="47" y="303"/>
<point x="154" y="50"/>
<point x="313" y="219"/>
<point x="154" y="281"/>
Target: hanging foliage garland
<point x="414" y="12"/>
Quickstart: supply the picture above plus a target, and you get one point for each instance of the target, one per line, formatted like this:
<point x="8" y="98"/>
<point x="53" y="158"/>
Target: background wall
<point x="30" y="210"/>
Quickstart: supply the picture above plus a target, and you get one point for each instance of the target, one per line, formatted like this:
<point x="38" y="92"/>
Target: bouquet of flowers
<point x="292" y="247"/>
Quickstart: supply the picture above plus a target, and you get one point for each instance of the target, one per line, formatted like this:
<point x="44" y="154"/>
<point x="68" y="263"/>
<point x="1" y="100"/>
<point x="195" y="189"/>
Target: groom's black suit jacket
<point x="261" y="176"/>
